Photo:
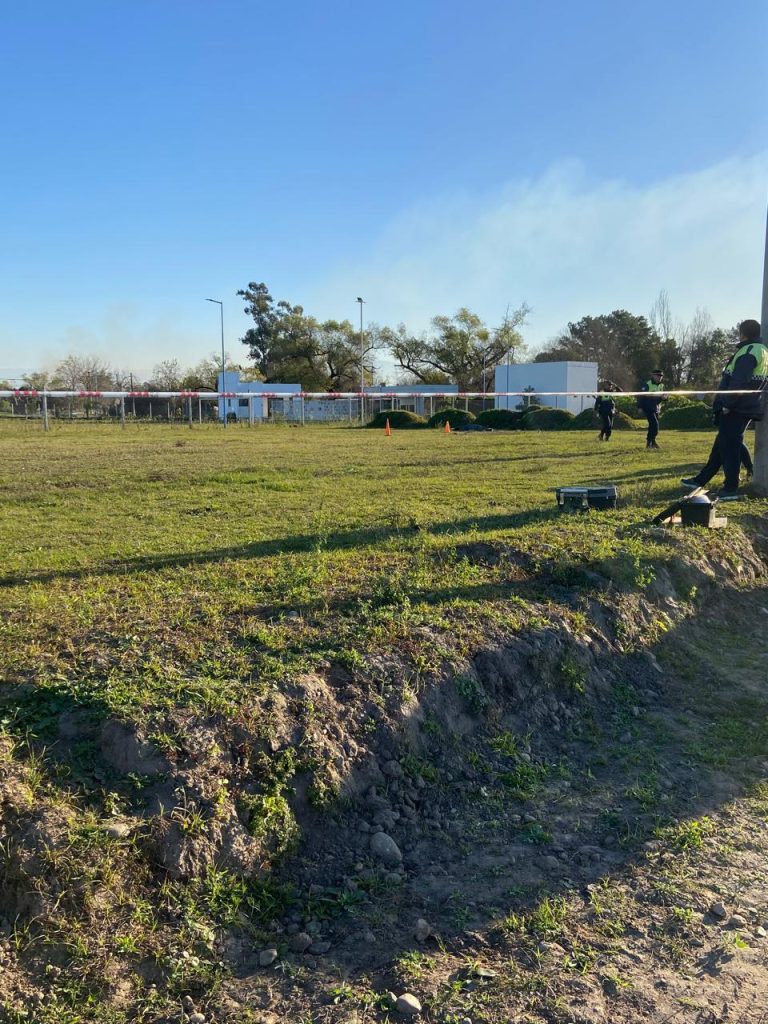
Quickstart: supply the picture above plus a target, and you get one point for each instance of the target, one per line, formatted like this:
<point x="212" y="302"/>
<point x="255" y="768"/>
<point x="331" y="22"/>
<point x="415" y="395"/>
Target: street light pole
<point x="220" y="304"/>
<point x="362" y="368"/>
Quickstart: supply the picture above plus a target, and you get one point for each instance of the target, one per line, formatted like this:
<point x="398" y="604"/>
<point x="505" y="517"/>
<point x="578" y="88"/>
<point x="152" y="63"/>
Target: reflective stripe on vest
<point x="760" y="353"/>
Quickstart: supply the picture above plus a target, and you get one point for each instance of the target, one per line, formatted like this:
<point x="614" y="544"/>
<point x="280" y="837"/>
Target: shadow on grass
<point x="340" y="540"/>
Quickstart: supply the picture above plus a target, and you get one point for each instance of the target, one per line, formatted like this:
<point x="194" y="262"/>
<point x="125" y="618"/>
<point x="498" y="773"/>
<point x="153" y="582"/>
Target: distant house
<point x="425" y="404"/>
<point x="264" y="401"/>
<point x="256" y="405"/>
<point x="539" y="378"/>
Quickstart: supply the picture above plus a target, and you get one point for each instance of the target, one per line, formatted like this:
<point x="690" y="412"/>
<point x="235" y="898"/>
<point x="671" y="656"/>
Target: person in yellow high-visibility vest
<point x="649" y="404"/>
<point x="746" y="371"/>
<point x="605" y="407"/>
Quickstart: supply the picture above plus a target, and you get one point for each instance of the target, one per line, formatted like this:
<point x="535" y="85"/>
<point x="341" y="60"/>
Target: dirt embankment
<point x="536" y="824"/>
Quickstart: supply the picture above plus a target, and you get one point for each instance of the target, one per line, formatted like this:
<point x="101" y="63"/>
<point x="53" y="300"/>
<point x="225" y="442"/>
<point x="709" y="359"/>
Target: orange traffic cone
<point x="447" y="426"/>
<point x="387" y="429"/>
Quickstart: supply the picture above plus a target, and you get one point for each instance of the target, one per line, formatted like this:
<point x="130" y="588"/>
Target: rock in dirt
<point x="737" y="921"/>
<point x="300" y="942"/>
<point x="485" y="973"/>
<point x="267" y="957"/>
<point x="386" y="849"/>
<point x="196" y="1018"/>
<point x="760" y="932"/>
<point x="423" y="930"/>
<point x="117" y="829"/>
<point x="408" y="1005"/>
<point x="718" y="910"/>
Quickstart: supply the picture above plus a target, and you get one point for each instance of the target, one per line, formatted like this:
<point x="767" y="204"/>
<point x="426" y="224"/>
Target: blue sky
<point x="579" y="156"/>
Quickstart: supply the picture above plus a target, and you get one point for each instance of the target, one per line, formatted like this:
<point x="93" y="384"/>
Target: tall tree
<point x="461" y="348"/>
<point x="260" y="305"/>
<point x="287" y="344"/>
<point x="343" y="354"/>
<point x="84" y="373"/>
<point x="166" y="375"/>
<point x="205" y="373"/>
<point x="709" y="352"/>
<point x="625" y="347"/>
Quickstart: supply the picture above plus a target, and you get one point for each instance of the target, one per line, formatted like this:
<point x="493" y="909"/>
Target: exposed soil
<point x="569" y="826"/>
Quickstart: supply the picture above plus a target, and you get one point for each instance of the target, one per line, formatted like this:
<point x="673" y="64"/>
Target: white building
<point x="428" y="402"/>
<point x="540" y="378"/>
<point x="257" y="406"/>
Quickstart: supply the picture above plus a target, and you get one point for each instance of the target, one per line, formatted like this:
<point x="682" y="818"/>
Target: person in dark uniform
<point x="747" y="370"/>
<point x="715" y="463"/>
<point x="649" y="404"/>
<point x="605" y="407"/>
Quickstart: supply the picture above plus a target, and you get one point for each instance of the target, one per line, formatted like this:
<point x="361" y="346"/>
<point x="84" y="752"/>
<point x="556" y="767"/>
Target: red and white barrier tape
<point x="212" y="396"/>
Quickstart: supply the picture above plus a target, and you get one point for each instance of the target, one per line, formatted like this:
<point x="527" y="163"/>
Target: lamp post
<point x="362" y="368"/>
<point x="220" y="304"/>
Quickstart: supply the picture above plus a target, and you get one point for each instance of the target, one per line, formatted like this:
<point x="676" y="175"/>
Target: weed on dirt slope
<point x="365" y="732"/>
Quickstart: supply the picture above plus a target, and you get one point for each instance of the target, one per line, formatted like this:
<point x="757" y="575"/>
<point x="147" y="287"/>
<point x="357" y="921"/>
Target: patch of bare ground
<point x="566" y="824"/>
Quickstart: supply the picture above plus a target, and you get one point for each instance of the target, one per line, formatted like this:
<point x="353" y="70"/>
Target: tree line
<point x="91" y="373"/>
<point x="285" y="344"/>
<point x="288" y="344"/>
<point x="627" y="347"/>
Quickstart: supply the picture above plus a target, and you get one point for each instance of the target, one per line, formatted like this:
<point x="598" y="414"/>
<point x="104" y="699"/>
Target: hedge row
<point x="691" y="416"/>
<point x="682" y="414"/>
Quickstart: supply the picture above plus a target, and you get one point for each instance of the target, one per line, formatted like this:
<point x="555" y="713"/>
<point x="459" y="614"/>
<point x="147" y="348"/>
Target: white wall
<point x="542" y="377"/>
<point x="581" y="377"/>
<point x="230" y="381"/>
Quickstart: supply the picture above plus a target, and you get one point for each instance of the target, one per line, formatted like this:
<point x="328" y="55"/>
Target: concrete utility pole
<point x="760" y="479"/>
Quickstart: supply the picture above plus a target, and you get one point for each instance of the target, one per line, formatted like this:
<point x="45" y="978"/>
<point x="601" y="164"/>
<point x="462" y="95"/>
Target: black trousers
<point x="730" y="438"/>
<point x="652" y="415"/>
<point x="715" y="462"/>
<point x="607" y="425"/>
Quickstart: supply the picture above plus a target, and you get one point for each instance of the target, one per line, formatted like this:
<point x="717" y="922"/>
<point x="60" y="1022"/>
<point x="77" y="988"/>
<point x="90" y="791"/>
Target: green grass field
<point x="230" y="584"/>
<point x="158" y="565"/>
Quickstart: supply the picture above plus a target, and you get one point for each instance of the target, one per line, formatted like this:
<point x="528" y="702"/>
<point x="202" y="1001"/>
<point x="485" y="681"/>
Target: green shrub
<point x="679" y="402"/>
<point x="399" y="419"/>
<point x="456" y="417"/>
<point x="628" y="405"/>
<point x="623" y="422"/>
<point x="587" y="419"/>
<point x="501" y="419"/>
<point x="692" y="416"/>
<point x="547" y="419"/>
